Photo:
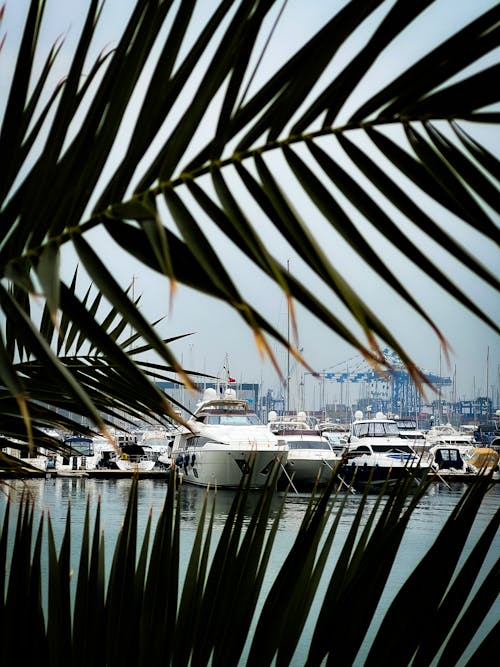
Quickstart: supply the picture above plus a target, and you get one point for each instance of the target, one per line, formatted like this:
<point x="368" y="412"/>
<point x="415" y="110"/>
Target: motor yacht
<point x="409" y="430"/>
<point x="446" y="434"/>
<point x="311" y="457"/>
<point x="377" y="453"/>
<point x="224" y="441"/>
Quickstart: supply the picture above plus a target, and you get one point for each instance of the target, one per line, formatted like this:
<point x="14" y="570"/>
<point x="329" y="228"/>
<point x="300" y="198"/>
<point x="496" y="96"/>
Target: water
<point x="53" y="495"/>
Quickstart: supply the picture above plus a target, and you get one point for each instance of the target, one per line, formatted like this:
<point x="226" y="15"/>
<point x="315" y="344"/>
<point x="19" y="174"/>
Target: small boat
<point x="225" y="441"/>
<point x="135" y="457"/>
<point x="376" y="453"/>
<point x="449" y="459"/>
<point x="485" y="460"/>
<point x="160" y="442"/>
<point x="311" y="458"/>
<point x="453" y="462"/>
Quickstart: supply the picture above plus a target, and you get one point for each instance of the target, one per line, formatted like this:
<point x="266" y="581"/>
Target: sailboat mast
<point x="487" y="381"/>
<point x="288" y="349"/>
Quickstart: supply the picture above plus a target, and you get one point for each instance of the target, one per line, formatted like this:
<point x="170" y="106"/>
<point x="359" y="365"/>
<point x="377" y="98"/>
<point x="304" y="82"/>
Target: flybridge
<point x="221" y="405"/>
<point x="375" y="428"/>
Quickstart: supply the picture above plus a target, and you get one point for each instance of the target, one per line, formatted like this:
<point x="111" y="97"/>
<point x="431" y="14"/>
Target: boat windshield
<point x="249" y="419"/>
<point x="407" y="424"/>
<point x="412" y="436"/>
<point x="309" y="444"/>
<point x="371" y="429"/>
<point x="82" y="446"/>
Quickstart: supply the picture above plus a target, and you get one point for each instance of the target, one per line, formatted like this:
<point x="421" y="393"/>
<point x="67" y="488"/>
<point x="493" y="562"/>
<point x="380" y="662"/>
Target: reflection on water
<point x="53" y="496"/>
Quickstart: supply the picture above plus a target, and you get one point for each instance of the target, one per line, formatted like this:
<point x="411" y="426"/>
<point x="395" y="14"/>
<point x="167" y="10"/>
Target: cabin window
<point x="309" y="444"/>
<point x="199" y="441"/>
<point x="449" y="455"/>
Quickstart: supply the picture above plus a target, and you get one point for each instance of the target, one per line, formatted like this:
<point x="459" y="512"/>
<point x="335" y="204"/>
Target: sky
<point x="218" y="333"/>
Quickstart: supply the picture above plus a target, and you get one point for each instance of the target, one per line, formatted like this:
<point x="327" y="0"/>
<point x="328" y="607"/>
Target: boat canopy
<point x="375" y="428"/>
<point x="484" y="457"/>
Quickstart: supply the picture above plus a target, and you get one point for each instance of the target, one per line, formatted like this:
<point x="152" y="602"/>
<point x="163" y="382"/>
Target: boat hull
<point x="363" y="473"/>
<point x="225" y="468"/>
<point x="305" y="470"/>
<point x="128" y="465"/>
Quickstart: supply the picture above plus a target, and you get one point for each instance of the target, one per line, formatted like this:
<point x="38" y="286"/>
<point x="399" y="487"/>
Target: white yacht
<point x="377" y="452"/>
<point x="311" y="457"/>
<point x="336" y="432"/>
<point x="159" y="442"/>
<point x="409" y="430"/>
<point x="225" y="440"/>
<point x="446" y="434"/>
<point x="136" y="457"/>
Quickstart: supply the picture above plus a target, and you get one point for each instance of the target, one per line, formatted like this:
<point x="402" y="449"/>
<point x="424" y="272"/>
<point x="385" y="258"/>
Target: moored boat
<point x="160" y="442"/>
<point x="376" y="453"/>
<point x="453" y="462"/>
<point x="225" y="441"/>
<point x="409" y="430"/>
<point x="135" y="457"/>
<point x="311" y="458"/>
<point x="446" y="434"/>
<point x="337" y="433"/>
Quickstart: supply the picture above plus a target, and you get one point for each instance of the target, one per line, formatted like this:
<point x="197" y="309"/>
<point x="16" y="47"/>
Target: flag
<point x="230" y="379"/>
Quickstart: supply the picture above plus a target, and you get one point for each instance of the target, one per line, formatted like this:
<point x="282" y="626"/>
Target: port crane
<point x="394" y="392"/>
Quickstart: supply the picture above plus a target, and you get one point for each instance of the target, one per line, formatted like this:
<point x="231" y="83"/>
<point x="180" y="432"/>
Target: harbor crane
<point x="394" y="392"/>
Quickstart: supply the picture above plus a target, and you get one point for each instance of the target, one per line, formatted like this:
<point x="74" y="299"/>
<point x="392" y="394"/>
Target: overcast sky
<point x="217" y="330"/>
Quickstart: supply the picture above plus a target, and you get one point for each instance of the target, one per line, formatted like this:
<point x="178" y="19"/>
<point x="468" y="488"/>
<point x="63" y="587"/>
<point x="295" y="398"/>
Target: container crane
<point x="393" y="391"/>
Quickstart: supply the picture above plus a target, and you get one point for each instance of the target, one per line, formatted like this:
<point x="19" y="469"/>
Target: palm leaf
<point x="428" y="575"/>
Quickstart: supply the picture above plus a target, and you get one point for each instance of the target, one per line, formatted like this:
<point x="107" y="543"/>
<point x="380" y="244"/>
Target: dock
<point x="103" y="473"/>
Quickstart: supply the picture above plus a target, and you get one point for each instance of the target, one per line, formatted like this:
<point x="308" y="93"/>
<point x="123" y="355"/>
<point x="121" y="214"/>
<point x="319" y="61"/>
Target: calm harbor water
<point x="53" y="496"/>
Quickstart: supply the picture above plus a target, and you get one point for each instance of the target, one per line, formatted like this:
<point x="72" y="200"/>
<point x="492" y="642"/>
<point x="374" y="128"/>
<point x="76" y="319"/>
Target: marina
<point x="225" y="440"/>
<point x="243" y="160"/>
